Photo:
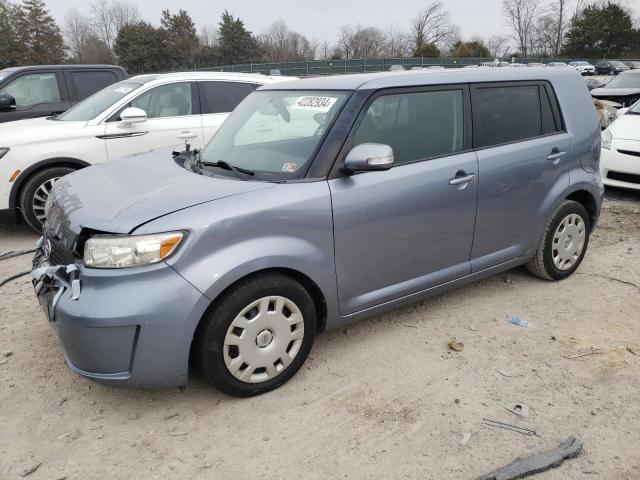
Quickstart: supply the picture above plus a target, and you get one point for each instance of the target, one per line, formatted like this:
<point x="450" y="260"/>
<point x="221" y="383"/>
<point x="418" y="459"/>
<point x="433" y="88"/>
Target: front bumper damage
<point x="129" y="327"/>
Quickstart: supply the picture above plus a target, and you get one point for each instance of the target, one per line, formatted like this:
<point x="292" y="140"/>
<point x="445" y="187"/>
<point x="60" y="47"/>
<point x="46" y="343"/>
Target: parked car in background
<point x="632" y="64"/>
<point x="132" y="116"/>
<point x="620" y="160"/>
<point x="594" y="83"/>
<point x="396" y="68"/>
<point x="610" y="67"/>
<point x="623" y="89"/>
<point x="585" y="68"/>
<point x="237" y="255"/>
<point x="536" y="65"/>
<point x="557" y="65"/>
<point x="275" y="73"/>
<point x="40" y="91"/>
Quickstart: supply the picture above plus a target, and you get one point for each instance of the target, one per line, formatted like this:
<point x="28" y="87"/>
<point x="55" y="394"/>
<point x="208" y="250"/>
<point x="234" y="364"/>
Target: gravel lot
<point x="384" y="399"/>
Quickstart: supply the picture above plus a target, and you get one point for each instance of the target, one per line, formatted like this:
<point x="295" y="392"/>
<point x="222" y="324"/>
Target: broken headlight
<point x="121" y="251"/>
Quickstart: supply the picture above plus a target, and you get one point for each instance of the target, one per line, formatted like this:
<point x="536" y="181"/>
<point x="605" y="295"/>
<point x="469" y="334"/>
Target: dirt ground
<point x="385" y="398"/>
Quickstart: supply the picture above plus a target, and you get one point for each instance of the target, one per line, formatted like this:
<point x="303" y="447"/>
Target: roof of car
<point x="228" y="76"/>
<point x="61" y="67"/>
<point x="409" y="78"/>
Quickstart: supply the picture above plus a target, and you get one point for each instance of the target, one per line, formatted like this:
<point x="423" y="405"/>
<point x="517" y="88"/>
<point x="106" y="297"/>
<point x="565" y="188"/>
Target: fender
<point x="59" y="161"/>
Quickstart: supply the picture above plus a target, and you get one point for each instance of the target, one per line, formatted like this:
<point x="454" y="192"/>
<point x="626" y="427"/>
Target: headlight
<point x="114" y="251"/>
<point x="3" y="151"/>
<point x="607" y="137"/>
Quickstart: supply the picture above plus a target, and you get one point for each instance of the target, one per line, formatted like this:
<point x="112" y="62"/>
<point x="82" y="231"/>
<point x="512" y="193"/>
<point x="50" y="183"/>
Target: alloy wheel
<point x="40" y="198"/>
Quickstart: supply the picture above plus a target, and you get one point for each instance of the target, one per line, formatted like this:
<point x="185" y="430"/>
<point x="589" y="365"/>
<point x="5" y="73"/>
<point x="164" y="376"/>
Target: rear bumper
<point x="620" y="170"/>
<point x="130" y="327"/>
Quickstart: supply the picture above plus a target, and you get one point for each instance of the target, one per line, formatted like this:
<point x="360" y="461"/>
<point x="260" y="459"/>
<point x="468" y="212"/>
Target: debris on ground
<point x="504" y="373"/>
<point x="523" y="467"/>
<point x="585" y="353"/>
<point x="455" y="345"/>
<point x="29" y="471"/>
<point x="13" y="277"/>
<point x="520" y="322"/>
<point x="14" y="253"/>
<point x="519" y="409"/>
<point x="466" y="436"/>
<point x="508" y="426"/>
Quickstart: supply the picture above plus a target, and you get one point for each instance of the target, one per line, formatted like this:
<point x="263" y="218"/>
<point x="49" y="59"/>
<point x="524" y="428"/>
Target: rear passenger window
<point x="416" y="125"/>
<point x="223" y="97"/>
<point x="88" y="83"/>
<point x="510" y="114"/>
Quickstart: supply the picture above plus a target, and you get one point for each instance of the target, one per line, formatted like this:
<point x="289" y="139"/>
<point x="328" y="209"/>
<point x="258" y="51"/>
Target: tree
<point x="279" y="44"/>
<point x="521" y="16"/>
<point x="604" y="30"/>
<point x="432" y="26"/>
<point x="361" y="42"/>
<point x="427" y="50"/>
<point x="11" y="48"/>
<point x="236" y="43"/>
<point x="498" y="45"/>
<point x="141" y="48"/>
<point x="473" y="49"/>
<point x="397" y="43"/>
<point x="109" y="16"/>
<point x="39" y="35"/>
<point x="182" y="40"/>
<point x="559" y="24"/>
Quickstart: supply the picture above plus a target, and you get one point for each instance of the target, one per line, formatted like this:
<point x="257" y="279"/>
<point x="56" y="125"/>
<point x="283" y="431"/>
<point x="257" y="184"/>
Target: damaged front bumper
<point x="129" y="326"/>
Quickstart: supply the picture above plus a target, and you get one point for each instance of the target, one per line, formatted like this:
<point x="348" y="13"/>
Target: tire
<point x="218" y="343"/>
<point x="34" y="193"/>
<point x="558" y="260"/>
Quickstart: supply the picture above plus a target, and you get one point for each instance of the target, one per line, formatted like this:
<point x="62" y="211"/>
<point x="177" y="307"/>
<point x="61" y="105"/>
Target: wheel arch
<point x="588" y="201"/>
<point x="17" y="186"/>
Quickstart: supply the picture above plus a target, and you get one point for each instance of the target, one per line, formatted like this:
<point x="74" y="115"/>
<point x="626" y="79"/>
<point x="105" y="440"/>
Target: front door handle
<point x="462" y="180"/>
<point x="186" y="135"/>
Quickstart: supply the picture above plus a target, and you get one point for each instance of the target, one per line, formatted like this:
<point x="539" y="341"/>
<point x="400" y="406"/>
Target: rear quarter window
<point x="88" y="83"/>
<point x="222" y="97"/>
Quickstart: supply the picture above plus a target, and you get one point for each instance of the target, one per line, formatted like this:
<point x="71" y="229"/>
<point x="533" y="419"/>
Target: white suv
<point x="133" y="116"/>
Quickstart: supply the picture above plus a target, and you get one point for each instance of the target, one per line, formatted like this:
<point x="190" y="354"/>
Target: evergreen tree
<point x="142" y="48"/>
<point x="11" y="50"/>
<point x="236" y="44"/>
<point x="601" y="31"/>
<point x="39" y="34"/>
<point x="182" y="39"/>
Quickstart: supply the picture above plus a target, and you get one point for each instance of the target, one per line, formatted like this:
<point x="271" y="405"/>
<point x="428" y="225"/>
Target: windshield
<point x="631" y="80"/>
<point x="635" y="108"/>
<point x="97" y="103"/>
<point x="275" y="133"/>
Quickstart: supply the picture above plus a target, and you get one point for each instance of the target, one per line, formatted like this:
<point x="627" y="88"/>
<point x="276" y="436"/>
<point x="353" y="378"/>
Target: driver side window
<point x="173" y="100"/>
<point x="33" y="89"/>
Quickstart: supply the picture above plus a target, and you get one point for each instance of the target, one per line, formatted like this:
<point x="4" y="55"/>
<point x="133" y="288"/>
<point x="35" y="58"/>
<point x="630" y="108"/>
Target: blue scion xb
<point x="318" y="202"/>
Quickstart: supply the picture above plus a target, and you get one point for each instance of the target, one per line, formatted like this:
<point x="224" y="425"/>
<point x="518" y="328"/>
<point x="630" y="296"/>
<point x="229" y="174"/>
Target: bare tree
<point x="109" y="16"/>
<point x="279" y="43"/>
<point x="497" y="45"/>
<point x="521" y="16"/>
<point x="432" y="25"/>
<point x="208" y="35"/>
<point x="560" y="23"/>
<point x="77" y="31"/>
<point x="397" y="43"/>
<point x="361" y="42"/>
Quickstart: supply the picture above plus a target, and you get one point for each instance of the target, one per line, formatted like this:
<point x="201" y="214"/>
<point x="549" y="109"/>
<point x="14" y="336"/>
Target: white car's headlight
<point x="115" y="251"/>
<point x="607" y="137"/>
<point x="3" y="151"/>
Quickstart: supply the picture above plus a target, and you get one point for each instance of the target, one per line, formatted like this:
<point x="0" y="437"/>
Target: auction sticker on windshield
<point x="317" y="104"/>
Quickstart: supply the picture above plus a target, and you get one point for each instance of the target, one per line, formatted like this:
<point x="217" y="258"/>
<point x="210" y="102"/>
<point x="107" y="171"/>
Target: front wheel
<point x="35" y="192"/>
<point x="563" y="244"/>
<point x="257" y="335"/>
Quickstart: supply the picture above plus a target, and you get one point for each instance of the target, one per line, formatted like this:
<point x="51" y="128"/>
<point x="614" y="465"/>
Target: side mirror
<point x="7" y="102"/>
<point x="133" y="115"/>
<point x="369" y="157"/>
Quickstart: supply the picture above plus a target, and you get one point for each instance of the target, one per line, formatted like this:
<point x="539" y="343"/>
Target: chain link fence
<point x="368" y="65"/>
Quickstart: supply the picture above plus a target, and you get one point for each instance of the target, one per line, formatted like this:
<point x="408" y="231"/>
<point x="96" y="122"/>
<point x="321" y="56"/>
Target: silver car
<point x="317" y="203"/>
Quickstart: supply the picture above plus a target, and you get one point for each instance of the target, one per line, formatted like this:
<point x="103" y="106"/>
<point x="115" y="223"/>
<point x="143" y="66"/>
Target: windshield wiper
<point x="240" y="172"/>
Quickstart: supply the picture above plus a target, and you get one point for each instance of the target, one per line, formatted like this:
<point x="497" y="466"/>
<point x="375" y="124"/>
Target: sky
<point x="319" y="18"/>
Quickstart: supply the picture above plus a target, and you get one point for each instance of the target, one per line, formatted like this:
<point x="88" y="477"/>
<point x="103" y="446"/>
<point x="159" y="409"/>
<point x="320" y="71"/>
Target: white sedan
<point x="620" y="159"/>
<point x="133" y="116"/>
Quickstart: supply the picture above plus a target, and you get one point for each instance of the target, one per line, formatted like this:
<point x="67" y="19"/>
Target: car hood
<point x="35" y="129"/>
<point x="614" y="92"/>
<point x="626" y="127"/>
<point x="118" y="196"/>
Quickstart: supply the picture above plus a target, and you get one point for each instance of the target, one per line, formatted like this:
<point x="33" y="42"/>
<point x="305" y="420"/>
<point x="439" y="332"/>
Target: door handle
<point x="187" y="135"/>
<point x="555" y="156"/>
<point x="461" y="180"/>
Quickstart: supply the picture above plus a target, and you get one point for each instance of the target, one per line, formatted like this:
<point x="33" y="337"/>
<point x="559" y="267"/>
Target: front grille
<point x="624" y="177"/>
<point x="630" y="152"/>
<point x="59" y="255"/>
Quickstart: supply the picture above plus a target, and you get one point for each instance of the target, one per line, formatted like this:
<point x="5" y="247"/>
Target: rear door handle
<point x="461" y="180"/>
<point x="186" y="135"/>
<point x="555" y="157"/>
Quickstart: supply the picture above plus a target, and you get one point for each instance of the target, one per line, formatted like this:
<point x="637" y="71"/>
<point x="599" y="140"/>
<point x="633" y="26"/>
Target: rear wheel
<point x="564" y="243"/>
<point x="257" y="335"/>
<point x="35" y="192"/>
